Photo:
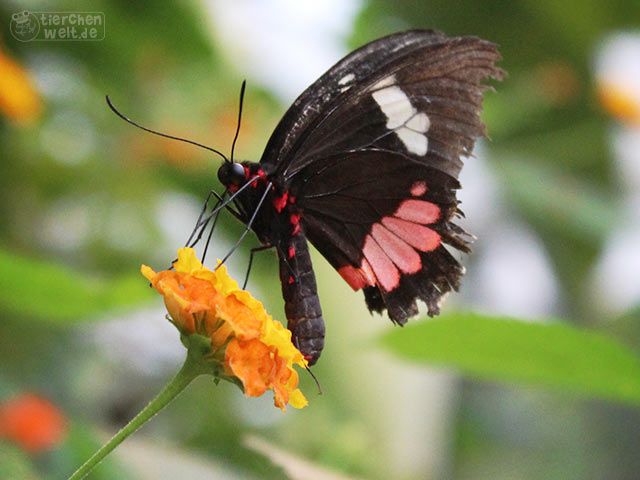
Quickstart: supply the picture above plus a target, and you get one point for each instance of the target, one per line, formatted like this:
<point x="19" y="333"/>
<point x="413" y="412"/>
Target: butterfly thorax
<point x="278" y="216"/>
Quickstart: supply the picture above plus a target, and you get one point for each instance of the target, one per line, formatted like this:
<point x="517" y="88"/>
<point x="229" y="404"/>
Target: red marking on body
<point x="292" y="199"/>
<point x="261" y="173"/>
<point x="357" y="278"/>
<point x="418" y="236"/>
<point x="418" y="211"/>
<point x="233" y="188"/>
<point x="400" y="253"/>
<point x="280" y="202"/>
<point x="292" y="251"/>
<point x="386" y="272"/>
<point x="291" y="280"/>
<point x="295" y="222"/>
<point x="418" y="188"/>
<point x="247" y="172"/>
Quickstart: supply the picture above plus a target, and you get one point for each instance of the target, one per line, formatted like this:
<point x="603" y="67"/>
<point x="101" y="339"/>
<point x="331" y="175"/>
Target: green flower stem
<point x="194" y="366"/>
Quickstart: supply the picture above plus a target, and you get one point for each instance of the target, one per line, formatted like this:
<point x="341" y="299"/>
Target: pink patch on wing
<point x="418" y="188"/>
<point x="386" y="272"/>
<point x="403" y="255"/>
<point x="357" y="278"/>
<point x="418" y="236"/>
<point x="368" y="272"/>
<point x="418" y="211"/>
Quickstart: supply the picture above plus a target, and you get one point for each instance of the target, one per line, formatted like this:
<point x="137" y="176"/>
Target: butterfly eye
<point x="231" y="174"/>
<point x="237" y="175"/>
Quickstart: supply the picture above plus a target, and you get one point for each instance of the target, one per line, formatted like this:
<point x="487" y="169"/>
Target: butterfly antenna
<point x="235" y="138"/>
<point x="128" y="120"/>
<point x="306" y="367"/>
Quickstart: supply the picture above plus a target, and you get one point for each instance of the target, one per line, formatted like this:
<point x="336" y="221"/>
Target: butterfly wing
<point x="372" y="151"/>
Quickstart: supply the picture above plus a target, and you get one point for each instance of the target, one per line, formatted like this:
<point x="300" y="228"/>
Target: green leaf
<point x="506" y="350"/>
<point x="55" y="293"/>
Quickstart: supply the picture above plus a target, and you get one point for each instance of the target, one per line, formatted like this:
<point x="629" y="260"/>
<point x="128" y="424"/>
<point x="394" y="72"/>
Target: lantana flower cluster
<point x="246" y="342"/>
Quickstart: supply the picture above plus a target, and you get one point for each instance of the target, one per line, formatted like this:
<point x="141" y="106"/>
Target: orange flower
<point x="251" y="346"/>
<point x="19" y="100"/>
<point x="32" y="422"/>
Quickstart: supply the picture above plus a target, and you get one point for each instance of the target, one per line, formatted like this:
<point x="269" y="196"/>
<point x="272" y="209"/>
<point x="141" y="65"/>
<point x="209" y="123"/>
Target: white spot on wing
<point x="385" y="82"/>
<point x="419" y="123"/>
<point x="395" y="105"/>
<point x="346" y="79"/>
<point x="415" y="142"/>
<point x="407" y="123"/>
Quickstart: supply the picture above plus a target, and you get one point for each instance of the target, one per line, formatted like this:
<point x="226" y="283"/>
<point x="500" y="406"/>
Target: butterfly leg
<point x="204" y="209"/>
<point x="213" y="227"/>
<point x="247" y="228"/>
<point x="199" y="225"/>
<point x="233" y="212"/>
<point x="261" y="248"/>
<point x="215" y="212"/>
<point x="203" y="225"/>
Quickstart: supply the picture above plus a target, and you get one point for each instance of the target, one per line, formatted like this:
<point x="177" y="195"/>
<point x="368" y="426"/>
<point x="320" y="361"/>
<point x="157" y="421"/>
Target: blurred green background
<point x="553" y="196"/>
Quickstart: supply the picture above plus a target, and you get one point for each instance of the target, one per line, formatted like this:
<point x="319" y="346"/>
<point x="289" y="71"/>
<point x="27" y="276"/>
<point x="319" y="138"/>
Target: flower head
<point x="32" y="422"/>
<point x="244" y="338"/>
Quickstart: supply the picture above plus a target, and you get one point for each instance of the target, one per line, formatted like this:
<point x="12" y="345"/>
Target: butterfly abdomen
<point x="302" y="306"/>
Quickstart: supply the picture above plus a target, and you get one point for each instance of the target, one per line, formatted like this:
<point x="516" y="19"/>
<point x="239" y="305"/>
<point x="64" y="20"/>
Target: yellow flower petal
<point x="224" y="283"/>
<point x="297" y="399"/>
<point x="275" y="335"/>
<point x="148" y="272"/>
<point x="187" y="261"/>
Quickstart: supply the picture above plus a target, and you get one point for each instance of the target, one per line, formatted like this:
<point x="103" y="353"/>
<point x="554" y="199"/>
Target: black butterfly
<point x="364" y="165"/>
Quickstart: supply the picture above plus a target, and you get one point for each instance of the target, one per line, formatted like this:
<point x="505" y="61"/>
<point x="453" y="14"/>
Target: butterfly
<point x="364" y="165"/>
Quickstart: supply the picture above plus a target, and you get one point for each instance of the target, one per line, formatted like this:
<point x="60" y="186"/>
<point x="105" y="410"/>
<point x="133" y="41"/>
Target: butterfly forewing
<point x="328" y="92"/>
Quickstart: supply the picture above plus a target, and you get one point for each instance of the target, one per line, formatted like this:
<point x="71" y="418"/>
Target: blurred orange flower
<point x="251" y="346"/>
<point x="619" y="102"/>
<point x="32" y="422"/>
<point x="19" y="100"/>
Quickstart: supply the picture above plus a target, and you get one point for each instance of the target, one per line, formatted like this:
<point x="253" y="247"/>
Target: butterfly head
<point x="232" y="174"/>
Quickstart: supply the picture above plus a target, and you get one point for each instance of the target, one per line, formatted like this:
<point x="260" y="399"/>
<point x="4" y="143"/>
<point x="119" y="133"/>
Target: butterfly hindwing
<point x="382" y="222"/>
